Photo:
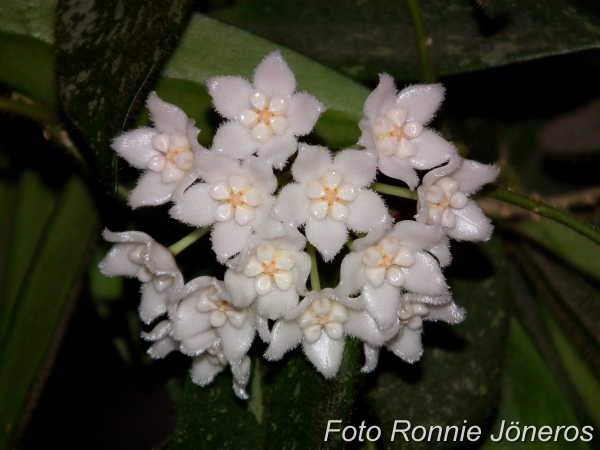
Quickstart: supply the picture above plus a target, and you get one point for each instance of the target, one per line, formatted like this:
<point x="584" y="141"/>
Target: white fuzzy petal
<point x="382" y="98"/>
<point x="361" y="325"/>
<point x="471" y="224"/>
<point x="433" y="150"/>
<point x="232" y="139"/>
<point x="240" y="287"/>
<point x="153" y="304"/>
<point x="117" y="263"/>
<point x="301" y="271"/>
<point x="416" y="235"/>
<point x="449" y="312"/>
<point x="352" y="272"/>
<point x="168" y="118"/>
<point x="473" y="175"/>
<point x="150" y="191"/>
<point x="407" y="345"/>
<point x="371" y="358"/>
<point x="197" y="344"/>
<point x="276" y="303"/>
<point x="236" y="342"/>
<point x="367" y="212"/>
<point x="162" y="347"/>
<point x="161" y="330"/>
<point x="327" y="236"/>
<point x="285" y="336"/>
<point x="421" y="101"/>
<point x="229" y="238"/>
<point x="274" y="77"/>
<point x="358" y="167"/>
<point x="260" y="174"/>
<point x="230" y="94"/>
<point x="311" y="162"/>
<point x="382" y="303"/>
<point x="303" y="113"/>
<point x="442" y="252"/>
<point x="325" y="354"/>
<point x="278" y="149"/>
<point x="425" y="276"/>
<point x="195" y="207"/>
<point x="136" y="146"/>
<point x="399" y="169"/>
<point x="292" y="204"/>
<point x="203" y="371"/>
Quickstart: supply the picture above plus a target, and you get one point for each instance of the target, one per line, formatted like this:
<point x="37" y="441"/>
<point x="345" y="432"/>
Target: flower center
<point x="412" y="313"/>
<point x="393" y="133"/>
<point x="270" y="266"/>
<point x="237" y="199"/>
<point x="329" y="196"/>
<point x="323" y="313"/>
<point x="144" y="275"/>
<point x="175" y="156"/>
<point x="220" y="310"/>
<point x="384" y="262"/>
<point x="265" y="117"/>
<point x="442" y="197"/>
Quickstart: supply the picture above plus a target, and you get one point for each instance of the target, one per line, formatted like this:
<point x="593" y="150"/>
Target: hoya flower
<point x="136" y="254"/>
<point x="202" y="315"/>
<point x="271" y="271"/>
<point x="165" y="152"/>
<point x="330" y="196"/>
<point x="393" y="126"/>
<point x="444" y="199"/>
<point x="210" y="363"/>
<point x="265" y="116"/>
<point x="382" y="267"/>
<point x="321" y="322"/>
<point x="160" y="336"/>
<point x="235" y="196"/>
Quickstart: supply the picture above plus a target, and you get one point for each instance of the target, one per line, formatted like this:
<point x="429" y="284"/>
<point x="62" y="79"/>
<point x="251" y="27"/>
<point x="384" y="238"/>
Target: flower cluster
<point x="391" y="279"/>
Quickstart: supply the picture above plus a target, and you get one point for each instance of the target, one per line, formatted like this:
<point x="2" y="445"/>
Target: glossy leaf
<point x="362" y="39"/>
<point x="530" y="397"/>
<point x="105" y="52"/>
<point x="42" y="302"/>
<point x="459" y="376"/>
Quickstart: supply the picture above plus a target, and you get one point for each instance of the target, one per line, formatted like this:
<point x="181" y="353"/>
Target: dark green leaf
<point x="459" y="376"/>
<point x="105" y="52"/>
<point x="33" y="205"/>
<point x="531" y="397"/>
<point x="362" y="39"/>
<point x="48" y="286"/>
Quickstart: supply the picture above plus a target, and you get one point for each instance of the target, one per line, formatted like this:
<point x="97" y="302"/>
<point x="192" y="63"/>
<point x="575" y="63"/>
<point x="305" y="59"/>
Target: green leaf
<point x="50" y="283"/>
<point x="531" y="396"/>
<point x="362" y="39"/>
<point x="459" y="376"/>
<point x="568" y="245"/>
<point x="105" y="52"/>
<point x="33" y="205"/>
<point x="289" y="405"/>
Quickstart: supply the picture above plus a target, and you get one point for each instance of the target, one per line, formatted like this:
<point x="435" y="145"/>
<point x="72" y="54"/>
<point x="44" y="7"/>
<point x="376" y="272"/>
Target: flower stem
<point x="544" y="210"/>
<point x="394" y="190"/>
<point x="315" y="283"/>
<point x="422" y="41"/>
<point x="188" y="240"/>
<point x="38" y="113"/>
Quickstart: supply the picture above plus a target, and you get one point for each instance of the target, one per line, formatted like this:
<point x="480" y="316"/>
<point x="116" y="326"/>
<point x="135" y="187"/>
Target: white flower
<point x="266" y="115"/>
<point x="331" y="196"/>
<point x="405" y="340"/>
<point x="203" y="314"/>
<point x="165" y="152"/>
<point x="234" y="196"/>
<point x="443" y="199"/>
<point x="210" y="363"/>
<point x="271" y="271"/>
<point x="321" y="322"/>
<point x="393" y="126"/>
<point x="381" y="267"/>
<point x="137" y="254"/>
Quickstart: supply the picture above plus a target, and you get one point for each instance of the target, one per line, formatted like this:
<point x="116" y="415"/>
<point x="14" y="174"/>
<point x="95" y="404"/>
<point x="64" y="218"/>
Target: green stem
<point x="35" y="112"/>
<point x="188" y="240"/>
<point x="422" y="41"/>
<point x="544" y="210"/>
<point x="315" y="283"/>
<point x="394" y="190"/>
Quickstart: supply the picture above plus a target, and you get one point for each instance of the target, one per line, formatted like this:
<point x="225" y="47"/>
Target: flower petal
<point x="274" y="77"/>
<point x="473" y="175"/>
<point x="371" y="358"/>
<point x="276" y="303"/>
<point x="236" y="342"/>
<point x="311" y="162"/>
<point x="425" y="276"/>
<point x="407" y="345"/>
<point x="229" y="238"/>
<point x="197" y="344"/>
<point x="136" y="147"/>
<point x="117" y="263"/>
<point x="162" y="347"/>
<point x="150" y="191"/>
<point x="278" y="149"/>
<point x="167" y="118"/>
<point x="382" y="303"/>
<point x="153" y="304"/>
<point x="442" y="252"/>
<point x="325" y="354"/>
<point x="260" y="175"/>
<point x="416" y="235"/>
<point x="203" y="371"/>
<point x="285" y="336"/>
<point x="433" y="150"/>
<point x="361" y="325"/>
<point x="187" y="320"/>
<point x="240" y="287"/>
<point x="471" y="224"/>
<point x="399" y="169"/>
<point x="233" y="140"/>
<point x="422" y="101"/>
<point x="292" y="204"/>
<point x="327" y="236"/>
<point x="230" y="95"/>
<point x="358" y="167"/>
<point x="367" y="212"/>
<point x="303" y="113"/>
<point x="449" y="312"/>
<point x="382" y="98"/>
<point x="196" y="206"/>
<point x="352" y="274"/>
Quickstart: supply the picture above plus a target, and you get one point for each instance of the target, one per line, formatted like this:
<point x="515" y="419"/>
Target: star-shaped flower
<point x="444" y="199"/>
<point x="330" y="196"/>
<point x="382" y="267"/>
<point x="321" y="322"/>
<point x="393" y="126"/>
<point x="235" y="196"/>
<point x="137" y="254"/>
<point x="165" y="152"/>
<point x="265" y="116"/>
